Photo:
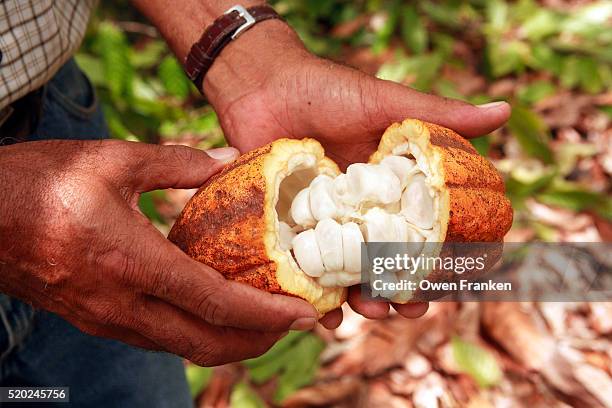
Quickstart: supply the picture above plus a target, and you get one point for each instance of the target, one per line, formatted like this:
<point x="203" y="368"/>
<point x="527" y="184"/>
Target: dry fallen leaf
<point x="325" y="394"/>
<point x="600" y="317"/>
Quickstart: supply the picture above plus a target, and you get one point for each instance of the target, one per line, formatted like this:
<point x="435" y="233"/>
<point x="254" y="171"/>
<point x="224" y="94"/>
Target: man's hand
<point x="73" y="241"/>
<point x="265" y="85"/>
<point x="264" y="92"/>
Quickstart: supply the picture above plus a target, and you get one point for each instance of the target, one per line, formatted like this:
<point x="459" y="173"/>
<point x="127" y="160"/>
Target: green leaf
<point x="568" y="154"/>
<point x="396" y="69"/>
<point x="414" y="33"/>
<point x="546" y="59"/>
<point x="425" y="69"/>
<point x="570" y="75"/>
<point x="443" y="45"/>
<point x="200" y="124"/>
<point x="590" y="19"/>
<point x="302" y="368"/>
<point x="446" y="14"/>
<point x="197" y="378"/>
<point x="607" y="109"/>
<point x="545" y="232"/>
<point x="146" y="203"/>
<point x="277" y="350"/>
<point x="116" y="126"/>
<point x="144" y="90"/>
<point x="542" y="24"/>
<point x="535" y="91"/>
<point x="173" y="78"/>
<point x="92" y="67"/>
<point x="576" y="198"/>
<point x="294" y="359"/>
<point x="262" y="373"/>
<point x="497" y="16"/>
<point x="505" y="57"/>
<point x="273" y="362"/>
<point x="531" y="133"/>
<point x="384" y="34"/>
<point x="448" y="89"/>
<point x="477" y="362"/>
<point x="243" y="396"/>
<point x="149" y="55"/>
<point x="588" y="73"/>
<point x="114" y="50"/>
<point x="481" y="144"/>
<point x="520" y="187"/>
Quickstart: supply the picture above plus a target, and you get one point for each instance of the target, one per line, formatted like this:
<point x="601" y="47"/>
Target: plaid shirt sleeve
<point x="36" y="38"/>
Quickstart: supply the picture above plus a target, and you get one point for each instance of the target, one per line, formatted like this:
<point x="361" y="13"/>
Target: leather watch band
<point x="225" y="28"/>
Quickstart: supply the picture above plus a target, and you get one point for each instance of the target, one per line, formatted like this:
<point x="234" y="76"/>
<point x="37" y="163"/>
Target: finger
<point x="332" y="319"/>
<point x="184" y="334"/>
<point x="393" y="102"/>
<point x="158" y="267"/>
<point x="370" y="309"/>
<point x="153" y="167"/>
<point x="116" y="333"/>
<point x="411" y="310"/>
<point x="202" y="291"/>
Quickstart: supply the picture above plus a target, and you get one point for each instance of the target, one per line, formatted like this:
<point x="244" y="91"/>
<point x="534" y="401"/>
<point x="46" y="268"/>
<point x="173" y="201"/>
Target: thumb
<point x="397" y="102"/>
<point x="161" y="167"/>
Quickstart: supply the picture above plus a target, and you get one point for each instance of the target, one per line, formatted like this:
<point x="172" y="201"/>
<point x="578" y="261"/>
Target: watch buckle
<point x="242" y="12"/>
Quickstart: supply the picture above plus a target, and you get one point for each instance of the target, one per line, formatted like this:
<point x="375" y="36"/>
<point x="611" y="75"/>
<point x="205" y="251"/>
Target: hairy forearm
<point x="182" y="22"/>
<point x="244" y="62"/>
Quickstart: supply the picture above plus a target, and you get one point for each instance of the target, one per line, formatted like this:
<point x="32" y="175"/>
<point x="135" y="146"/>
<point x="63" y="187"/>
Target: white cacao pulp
<point x="386" y="202"/>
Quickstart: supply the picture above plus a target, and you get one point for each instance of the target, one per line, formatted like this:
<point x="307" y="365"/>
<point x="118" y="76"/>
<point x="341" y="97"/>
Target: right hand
<point x="72" y="241"/>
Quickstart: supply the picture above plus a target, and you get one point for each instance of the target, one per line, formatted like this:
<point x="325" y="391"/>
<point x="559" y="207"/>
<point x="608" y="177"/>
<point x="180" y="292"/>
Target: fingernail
<point x="223" y="154"/>
<point x="303" y="323"/>
<point x="491" y="105"/>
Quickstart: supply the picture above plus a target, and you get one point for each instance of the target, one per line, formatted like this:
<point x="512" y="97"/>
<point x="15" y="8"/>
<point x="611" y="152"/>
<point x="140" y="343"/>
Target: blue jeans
<point x="38" y="348"/>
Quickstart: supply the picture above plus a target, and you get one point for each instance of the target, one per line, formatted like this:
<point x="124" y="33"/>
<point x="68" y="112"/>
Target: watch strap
<point x="229" y="26"/>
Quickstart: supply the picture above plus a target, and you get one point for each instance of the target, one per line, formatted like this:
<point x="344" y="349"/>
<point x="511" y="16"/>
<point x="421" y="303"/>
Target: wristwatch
<point x="234" y="22"/>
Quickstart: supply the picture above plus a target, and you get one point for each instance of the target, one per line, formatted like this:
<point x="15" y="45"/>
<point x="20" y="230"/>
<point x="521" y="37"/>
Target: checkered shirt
<point x="36" y="38"/>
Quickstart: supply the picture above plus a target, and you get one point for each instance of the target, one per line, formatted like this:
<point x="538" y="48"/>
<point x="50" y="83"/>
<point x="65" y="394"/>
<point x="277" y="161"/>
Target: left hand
<point x="265" y="86"/>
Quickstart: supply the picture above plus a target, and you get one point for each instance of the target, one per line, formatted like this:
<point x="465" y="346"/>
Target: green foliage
<point x="142" y="87"/>
<point x="197" y="378"/>
<point x="294" y="360"/>
<point x="243" y="396"/>
<point x="112" y="46"/>
<point x="531" y="133"/>
<point x="384" y="34"/>
<point x="173" y="78"/>
<point x="414" y="32"/>
<point x="481" y="144"/>
<point x="535" y="91"/>
<point x="574" y="197"/>
<point x="477" y="362"/>
<point x="423" y="68"/>
<point x="146" y="203"/>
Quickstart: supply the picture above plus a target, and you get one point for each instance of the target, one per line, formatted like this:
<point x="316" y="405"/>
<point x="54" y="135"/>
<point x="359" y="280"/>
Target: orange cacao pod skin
<point x="231" y="223"/>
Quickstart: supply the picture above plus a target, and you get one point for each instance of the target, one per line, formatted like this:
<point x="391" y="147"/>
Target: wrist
<point x="246" y="63"/>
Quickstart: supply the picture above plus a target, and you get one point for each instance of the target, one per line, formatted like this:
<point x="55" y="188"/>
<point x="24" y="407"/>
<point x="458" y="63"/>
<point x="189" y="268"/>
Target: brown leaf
<point x="445" y="360"/>
<point x="218" y="391"/>
<point x="350" y="27"/>
<point x="559" y="217"/>
<point x="416" y="365"/>
<point x="431" y="392"/>
<point x="325" y="394"/>
<point x="600" y="317"/>
<point x="401" y="383"/>
<point x="513" y="328"/>
<point x="379" y="395"/>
